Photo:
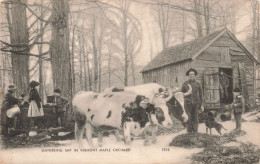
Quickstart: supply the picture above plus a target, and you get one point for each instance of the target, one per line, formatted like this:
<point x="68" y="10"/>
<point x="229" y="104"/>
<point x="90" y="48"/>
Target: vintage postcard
<point x="129" y="81"/>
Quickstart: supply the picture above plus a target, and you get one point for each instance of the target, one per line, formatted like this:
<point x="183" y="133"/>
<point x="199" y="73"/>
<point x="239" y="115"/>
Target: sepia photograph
<point x="130" y="81"/>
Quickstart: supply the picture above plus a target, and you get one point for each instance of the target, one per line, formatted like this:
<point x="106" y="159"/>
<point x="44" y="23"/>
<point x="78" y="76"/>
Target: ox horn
<point x="189" y="91"/>
<point x="171" y="93"/>
<point x="175" y="90"/>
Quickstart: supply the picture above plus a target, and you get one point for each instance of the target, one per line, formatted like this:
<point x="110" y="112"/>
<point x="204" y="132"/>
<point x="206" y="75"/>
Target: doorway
<point x="226" y="85"/>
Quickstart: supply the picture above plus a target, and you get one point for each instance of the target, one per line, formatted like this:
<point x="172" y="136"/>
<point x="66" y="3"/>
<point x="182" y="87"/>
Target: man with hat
<point x="9" y="102"/>
<point x="238" y="106"/>
<point x="193" y="101"/>
<point x="59" y="105"/>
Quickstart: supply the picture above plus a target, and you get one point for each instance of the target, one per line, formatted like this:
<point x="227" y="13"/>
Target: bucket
<point x="32" y="133"/>
<point x="12" y="112"/>
<point x="227" y="108"/>
<point x="225" y="116"/>
<point x="212" y="113"/>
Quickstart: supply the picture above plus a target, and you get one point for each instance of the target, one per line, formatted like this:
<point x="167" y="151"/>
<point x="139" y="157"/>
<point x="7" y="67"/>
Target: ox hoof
<point x="146" y="143"/>
<point x="154" y="141"/>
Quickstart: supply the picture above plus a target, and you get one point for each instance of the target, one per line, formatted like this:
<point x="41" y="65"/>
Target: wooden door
<point x="211" y="88"/>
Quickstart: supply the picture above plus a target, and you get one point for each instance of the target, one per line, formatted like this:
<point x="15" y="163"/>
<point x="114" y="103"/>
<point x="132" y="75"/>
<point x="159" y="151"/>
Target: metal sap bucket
<point x="12" y="112"/>
<point x="225" y="116"/>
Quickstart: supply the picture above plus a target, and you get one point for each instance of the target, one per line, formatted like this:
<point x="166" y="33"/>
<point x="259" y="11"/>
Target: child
<point x="35" y="108"/>
<point x="59" y="105"/>
<point x="238" y="106"/>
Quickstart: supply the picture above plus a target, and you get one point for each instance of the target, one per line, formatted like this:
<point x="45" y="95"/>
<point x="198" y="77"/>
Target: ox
<point x="125" y="110"/>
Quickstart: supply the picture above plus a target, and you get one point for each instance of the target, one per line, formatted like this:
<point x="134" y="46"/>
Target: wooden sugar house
<point x="214" y="56"/>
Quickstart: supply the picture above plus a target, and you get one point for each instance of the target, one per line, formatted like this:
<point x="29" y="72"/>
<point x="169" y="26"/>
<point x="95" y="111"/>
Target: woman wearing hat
<point x="35" y="108"/>
<point x="238" y="106"/>
<point x="193" y="101"/>
<point x="9" y="102"/>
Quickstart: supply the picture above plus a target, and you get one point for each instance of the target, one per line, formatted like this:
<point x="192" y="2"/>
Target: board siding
<point x="174" y="75"/>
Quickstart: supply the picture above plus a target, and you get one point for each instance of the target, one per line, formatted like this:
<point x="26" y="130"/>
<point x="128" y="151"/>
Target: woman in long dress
<point x="35" y="109"/>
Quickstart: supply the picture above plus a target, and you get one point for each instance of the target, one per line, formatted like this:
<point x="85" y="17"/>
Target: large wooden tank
<point x="47" y="121"/>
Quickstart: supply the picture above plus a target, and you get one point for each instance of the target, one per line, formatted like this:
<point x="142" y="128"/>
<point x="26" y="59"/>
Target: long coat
<point x="9" y="102"/>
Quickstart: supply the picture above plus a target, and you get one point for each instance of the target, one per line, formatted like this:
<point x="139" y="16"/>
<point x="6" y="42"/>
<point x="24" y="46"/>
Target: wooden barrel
<point x="212" y="113"/>
<point x="225" y="116"/>
<point x="23" y="120"/>
<point x="46" y="121"/>
<point x="49" y="116"/>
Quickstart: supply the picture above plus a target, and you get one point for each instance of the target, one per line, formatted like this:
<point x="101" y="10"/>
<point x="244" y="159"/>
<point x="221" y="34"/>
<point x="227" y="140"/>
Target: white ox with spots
<point x="125" y="110"/>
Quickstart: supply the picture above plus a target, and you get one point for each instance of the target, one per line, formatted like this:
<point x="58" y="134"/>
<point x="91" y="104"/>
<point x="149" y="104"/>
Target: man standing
<point x="193" y="101"/>
<point x="59" y="105"/>
<point x="224" y="84"/>
<point x="239" y="107"/>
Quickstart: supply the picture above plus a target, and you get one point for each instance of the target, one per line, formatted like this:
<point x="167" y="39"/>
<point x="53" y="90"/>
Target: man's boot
<point x="189" y="127"/>
<point x="195" y="127"/>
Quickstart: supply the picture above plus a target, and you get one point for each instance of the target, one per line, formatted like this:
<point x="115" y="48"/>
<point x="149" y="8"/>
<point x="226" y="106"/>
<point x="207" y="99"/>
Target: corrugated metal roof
<point x="180" y="52"/>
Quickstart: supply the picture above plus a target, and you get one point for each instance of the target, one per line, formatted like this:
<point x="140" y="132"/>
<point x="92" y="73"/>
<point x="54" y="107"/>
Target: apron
<point x="34" y="111"/>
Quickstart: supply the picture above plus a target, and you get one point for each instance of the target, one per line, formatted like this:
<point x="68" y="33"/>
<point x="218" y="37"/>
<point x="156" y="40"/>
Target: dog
<point x="210" y="123"/>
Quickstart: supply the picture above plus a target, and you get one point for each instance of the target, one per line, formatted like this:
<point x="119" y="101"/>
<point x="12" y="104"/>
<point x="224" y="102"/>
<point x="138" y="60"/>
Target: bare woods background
<point x="91" y="45"/>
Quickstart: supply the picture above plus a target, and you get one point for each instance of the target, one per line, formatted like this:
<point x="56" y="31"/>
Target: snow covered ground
<point x="117" y="152"/>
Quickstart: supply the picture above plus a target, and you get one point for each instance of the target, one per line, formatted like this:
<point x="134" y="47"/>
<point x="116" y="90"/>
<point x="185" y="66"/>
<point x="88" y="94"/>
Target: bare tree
<point x="129" y="37"/>
<point x="59" y="48"/>
<point x="19" y="37"/>
<point x="80" y="54"/>
<point x="40" y="59"/>
<point x="85" y="64"/>
<point x="164" y="20"/>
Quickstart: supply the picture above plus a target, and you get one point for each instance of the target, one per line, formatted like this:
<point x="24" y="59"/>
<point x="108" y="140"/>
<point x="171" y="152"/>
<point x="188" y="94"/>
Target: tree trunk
<point x="89" y="74"/>
<point x="72" y="60"/>
<point x="206" y="15"/>
<point x="109" y="69"/>
<point x="100" y="57"/>
<point x="59" y="48"/>
<point x="258" y="32"/>
<point x="253" y="28"/>
<point x="109" y="62"/>
<point x="198" y="17"/>
<point x="125" y="46"/>
<point x="3" y="73"/>
<point x="133" y="67"/>
<point x="19" y="35"/>
<point x="183" y="24"/>
<point x="95" y="65"/>
<point x="99" y="69"/>
<point x="163" y="22"/>
<point x="80" y="62"/>
<point x="40" y="60"/>
<point x="84" y="64"/>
